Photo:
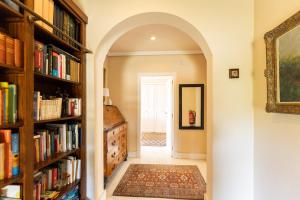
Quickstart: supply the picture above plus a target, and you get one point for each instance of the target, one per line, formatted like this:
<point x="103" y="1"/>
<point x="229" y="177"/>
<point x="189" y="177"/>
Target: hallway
<point x="149" y="155"/>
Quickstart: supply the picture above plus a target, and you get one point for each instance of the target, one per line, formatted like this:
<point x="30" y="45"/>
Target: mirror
<point x="191" y="106"/>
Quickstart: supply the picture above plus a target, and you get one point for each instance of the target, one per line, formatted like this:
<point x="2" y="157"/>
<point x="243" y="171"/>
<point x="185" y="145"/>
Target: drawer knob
<point x="113" y="155"/>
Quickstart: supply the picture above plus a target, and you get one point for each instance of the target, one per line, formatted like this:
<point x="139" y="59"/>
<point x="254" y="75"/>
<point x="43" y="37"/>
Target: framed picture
<point x="191" y="106"/>
<point x="234" y="73"/>
<point x="283" y="67"/>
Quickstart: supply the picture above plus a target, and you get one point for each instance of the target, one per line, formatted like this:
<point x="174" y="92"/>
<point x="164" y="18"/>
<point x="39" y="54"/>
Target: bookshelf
<point x="21" y="25"/>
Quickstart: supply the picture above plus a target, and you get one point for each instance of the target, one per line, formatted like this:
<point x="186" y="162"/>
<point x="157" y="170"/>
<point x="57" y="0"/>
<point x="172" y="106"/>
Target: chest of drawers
<point x="115" y="139"/>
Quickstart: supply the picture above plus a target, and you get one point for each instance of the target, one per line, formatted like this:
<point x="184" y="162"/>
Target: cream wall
<point x="123" y="84"/>
<point x="277" y="136"/>
<point x="227" y="27"/>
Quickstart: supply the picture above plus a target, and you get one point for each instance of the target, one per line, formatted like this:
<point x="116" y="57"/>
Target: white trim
<point x="153" y="53"/>
<point x="193" y="156"/>
<point x="103" y="195"/>
<point x="132" y="154"/>
<point x="140" y="75"/>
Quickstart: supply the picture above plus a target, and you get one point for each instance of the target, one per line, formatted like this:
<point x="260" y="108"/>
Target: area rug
<point x="162" y="181"/>
<point x="153" y="139"/>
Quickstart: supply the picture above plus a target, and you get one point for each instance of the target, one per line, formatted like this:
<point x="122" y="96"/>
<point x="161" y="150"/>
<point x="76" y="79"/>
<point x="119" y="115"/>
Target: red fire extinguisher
<point x="192" y="117"/>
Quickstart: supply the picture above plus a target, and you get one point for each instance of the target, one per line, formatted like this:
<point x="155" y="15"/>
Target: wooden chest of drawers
<point x="115" y="139"/>
<point x="115" y="148"/>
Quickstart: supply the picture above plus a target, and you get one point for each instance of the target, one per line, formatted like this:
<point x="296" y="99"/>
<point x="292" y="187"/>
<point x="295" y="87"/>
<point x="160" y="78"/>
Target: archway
<point x="100" y="55"/>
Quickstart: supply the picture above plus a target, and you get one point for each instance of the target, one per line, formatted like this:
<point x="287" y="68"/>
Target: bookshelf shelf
<point x="6" y="11"/>
<point x="12" y="126"/>
<point x="15" y="179"/>
<point x="57" y="120"/>
<point x="67" y="189"/>
<point x="54" y="79"/>
<point x="11" y="68"/>
<point x="46" y="36"/>
<point x="54" y="159"/>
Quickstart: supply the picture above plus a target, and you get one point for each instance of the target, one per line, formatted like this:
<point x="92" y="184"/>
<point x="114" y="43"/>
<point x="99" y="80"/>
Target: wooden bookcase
<point x="19" y="26"/>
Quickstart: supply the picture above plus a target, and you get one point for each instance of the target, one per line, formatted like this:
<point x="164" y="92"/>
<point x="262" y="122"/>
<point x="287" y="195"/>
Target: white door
<point x="154" y="106"/>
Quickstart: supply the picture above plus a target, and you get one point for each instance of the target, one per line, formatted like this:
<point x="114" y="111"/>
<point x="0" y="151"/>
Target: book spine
<point x="2" y="160"/>
<point x="55" y="61"/>
<point x="38" y="56"/>
<point x="1" y="106"/>
<point x="12" y="105"/>
<point x="49" y="52"/>
<point x="6" y="139"/>
<point x="18" y="46"/>
<point x="15" y="139"/>
<point x="2" y="49"/>
<point x="4" y="88"/>
<point x="9" y="44"/>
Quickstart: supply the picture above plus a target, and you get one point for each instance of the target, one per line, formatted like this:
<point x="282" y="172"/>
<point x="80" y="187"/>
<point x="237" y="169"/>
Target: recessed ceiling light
<point x="152" y="38"/>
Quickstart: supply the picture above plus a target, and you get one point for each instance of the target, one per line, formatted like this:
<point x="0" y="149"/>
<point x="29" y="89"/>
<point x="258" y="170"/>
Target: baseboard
<point x="193" y="156"/>
<point x="132" y="154"/>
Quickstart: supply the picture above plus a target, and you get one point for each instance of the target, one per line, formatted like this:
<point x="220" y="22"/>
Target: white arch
<point x="100" y="55"/>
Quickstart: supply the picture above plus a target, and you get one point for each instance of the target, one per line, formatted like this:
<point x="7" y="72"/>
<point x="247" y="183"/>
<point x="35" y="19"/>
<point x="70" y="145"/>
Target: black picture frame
<point x="201" y="127"/>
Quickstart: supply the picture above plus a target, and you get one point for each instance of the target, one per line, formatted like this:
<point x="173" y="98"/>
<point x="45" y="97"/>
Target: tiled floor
<point x="149" y="155"/>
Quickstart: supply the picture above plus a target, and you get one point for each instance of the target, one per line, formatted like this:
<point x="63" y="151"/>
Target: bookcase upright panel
<point x="18" y="25"/>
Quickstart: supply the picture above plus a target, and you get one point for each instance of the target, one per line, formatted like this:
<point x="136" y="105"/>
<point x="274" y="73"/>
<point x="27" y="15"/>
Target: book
<point x="5" y="137"/>
<point x="9" y="49"/>
<point x="11" y="191"/>
<point x="12" y="103"/>
<point x="38" y="56"/>
<point x="18" y="55"/>
<point x="55" y="138"/>
<point x="15" y="139"/>
<point x="50" y="13"/>
<point x="2" y="154"/>
<point x="38" y="9"/>
<point x="1" y="106"/>
<point x="4" y="89"/>
<point x="46" y="13"/>
<point x="2" y="49"/>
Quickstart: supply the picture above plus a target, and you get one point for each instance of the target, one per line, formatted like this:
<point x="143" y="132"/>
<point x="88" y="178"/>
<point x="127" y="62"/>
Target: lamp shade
<point x="105" y="92"/>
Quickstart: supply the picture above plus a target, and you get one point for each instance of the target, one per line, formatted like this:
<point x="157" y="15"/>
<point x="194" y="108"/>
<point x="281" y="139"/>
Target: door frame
<point x="140" y="75"/>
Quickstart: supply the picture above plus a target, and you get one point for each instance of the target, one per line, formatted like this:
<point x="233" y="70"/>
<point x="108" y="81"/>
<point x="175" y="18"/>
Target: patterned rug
<point x="162" y="181"/>
<point x="153" y="139"/>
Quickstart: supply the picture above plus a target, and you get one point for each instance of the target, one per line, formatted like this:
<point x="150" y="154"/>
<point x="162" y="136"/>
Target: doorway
<point x="156" y="114"/>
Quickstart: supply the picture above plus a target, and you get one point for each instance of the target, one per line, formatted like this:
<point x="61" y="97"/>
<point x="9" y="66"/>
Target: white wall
<point x="277" y="136"/>
<point x="227" y="27"/>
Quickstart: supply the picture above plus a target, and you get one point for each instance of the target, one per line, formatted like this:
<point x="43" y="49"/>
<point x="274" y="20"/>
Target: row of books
<point x="57" y="16"/>
<point x="50" y="60"/>
<point x="9" y="154"/>
<point x="73" y="194"/>
<point x="10" y="50"/>
<point x="55" y="107"/>
<point x="11" y="192"/>
<point x="8" y="103"/>
<point x="56" y="138"/>
<point x="51" y="180"/>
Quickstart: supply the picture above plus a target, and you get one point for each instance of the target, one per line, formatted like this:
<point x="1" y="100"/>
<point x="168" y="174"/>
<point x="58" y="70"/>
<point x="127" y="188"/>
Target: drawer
<point x="112" y="143"/>
<point x="120" y="158"/>
<point x="113" y="133"/>
<point x="123" y="145"/>
<point x="112" y="155"/>
<point x="122" y="135"/>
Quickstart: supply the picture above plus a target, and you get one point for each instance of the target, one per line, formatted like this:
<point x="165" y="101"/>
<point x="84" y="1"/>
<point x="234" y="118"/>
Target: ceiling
<point x="167" y="39"/>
